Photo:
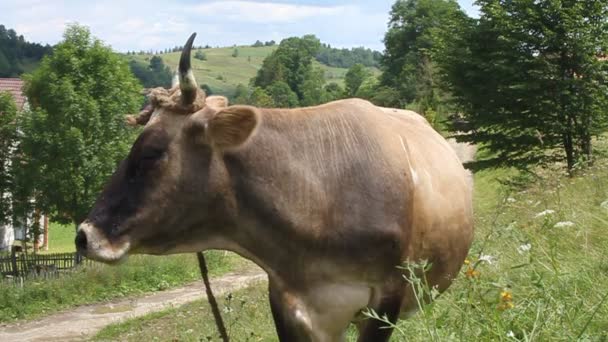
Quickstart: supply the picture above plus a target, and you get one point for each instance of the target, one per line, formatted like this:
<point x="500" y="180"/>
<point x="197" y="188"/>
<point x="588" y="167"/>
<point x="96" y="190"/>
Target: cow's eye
<point x="147" y="161"/>
<point x="151" y="155"/>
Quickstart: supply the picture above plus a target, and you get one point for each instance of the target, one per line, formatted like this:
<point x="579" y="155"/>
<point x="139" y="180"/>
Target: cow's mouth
<point x="92" y="243"/>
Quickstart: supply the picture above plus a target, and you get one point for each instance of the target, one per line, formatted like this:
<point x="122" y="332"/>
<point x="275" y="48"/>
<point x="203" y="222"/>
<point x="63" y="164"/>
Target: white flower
<point x="545" y="213"/>
<point x="511" y="334"/>
<point x="563" y="224"/>
<point x="511" y="200"/>
<point x="526" y="247"/>
<point x="604" y="205"/>
<point x="487" y="258"/>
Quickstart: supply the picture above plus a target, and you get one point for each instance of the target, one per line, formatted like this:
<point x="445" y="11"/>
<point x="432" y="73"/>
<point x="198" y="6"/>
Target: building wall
<point x="7" y="237"/>
<point x="9" y="233"/>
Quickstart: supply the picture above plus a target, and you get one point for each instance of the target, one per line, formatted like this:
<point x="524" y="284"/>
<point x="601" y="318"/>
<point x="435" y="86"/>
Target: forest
<point x="17" y="55"/>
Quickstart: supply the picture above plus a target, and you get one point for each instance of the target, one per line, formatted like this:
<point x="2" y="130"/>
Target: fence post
<point x="77" y="258"/>
<point x="14" y="263"/>
<point x="24" y="266"/>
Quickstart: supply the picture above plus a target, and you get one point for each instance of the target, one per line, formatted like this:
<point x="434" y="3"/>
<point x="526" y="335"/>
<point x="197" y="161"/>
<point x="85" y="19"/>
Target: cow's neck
<point x="263" y="232"/>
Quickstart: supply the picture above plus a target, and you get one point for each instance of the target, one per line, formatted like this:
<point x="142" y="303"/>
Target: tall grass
<point x="98" y="282"/>
<point x="538" y="269"/>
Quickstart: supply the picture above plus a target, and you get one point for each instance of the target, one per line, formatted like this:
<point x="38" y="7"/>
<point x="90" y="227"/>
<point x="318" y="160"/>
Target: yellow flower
<point x="471" y="272"/>
<point x="467" y="261"/>
<point x="506" y="300"/>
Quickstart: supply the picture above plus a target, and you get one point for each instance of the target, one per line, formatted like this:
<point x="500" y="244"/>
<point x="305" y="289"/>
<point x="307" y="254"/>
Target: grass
<point x="223" y="73"/>
<point x="61" y="238"/>
<point x="245" y="314"/>
<point x="99" y="282"/>
<point x="537" y="271"/>
<point x="547" y="276"/>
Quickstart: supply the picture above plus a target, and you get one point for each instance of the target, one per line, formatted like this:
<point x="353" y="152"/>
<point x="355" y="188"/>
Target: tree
<point x="235" y="53"/>
<point x="200" y="55"/>
<point x="5" y="66"/>
<point x="282" y="95"/>
<point x="354" y="77"/>
<point x="291" y="62"/>
<point x="257" y="44"/>
<point x="156" y="64"/>
<point x="529" y="78"/>
<point x="155" y="74"/>
<point x="17" y="55"/>
<point x="346" y="58"/>
<point x="415" y="33"/>
<point x="241" y="94"/>
<point x="312" y="89"/>
<point x="16" y="207"/>
<point x="334" y="91"/>
<point x="260" y="98"/>
<point x="75" y="135"/>
<point x="8" y="139"/>
<point x="380" y="95"/>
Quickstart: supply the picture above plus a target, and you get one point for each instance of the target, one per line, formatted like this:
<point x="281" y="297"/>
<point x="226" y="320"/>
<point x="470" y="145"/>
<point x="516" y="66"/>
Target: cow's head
<point x="172" y="192"/>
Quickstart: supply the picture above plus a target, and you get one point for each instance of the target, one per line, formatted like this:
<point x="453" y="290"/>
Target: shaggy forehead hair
<point x="168" y="99"/>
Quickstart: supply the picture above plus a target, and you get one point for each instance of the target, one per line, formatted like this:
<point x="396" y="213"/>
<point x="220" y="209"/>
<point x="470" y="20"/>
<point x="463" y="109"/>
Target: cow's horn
<point x="187" y="83"/>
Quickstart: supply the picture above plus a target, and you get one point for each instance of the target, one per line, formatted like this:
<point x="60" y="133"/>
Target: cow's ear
<point x="216" y="101"/>
<point x="230" y="127"/>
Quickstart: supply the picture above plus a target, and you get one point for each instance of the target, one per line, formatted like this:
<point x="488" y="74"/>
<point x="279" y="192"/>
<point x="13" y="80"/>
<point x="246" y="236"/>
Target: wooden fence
<point x="21" y="264"/>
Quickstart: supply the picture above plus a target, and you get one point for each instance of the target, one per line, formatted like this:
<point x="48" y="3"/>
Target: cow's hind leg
<point x="373" y="330"/>
<point x="288" y="329"/>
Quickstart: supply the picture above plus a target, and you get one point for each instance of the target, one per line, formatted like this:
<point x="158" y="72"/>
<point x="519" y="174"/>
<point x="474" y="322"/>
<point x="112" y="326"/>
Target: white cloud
<point x="158" y="24"/>
<point x="265" y="12"/>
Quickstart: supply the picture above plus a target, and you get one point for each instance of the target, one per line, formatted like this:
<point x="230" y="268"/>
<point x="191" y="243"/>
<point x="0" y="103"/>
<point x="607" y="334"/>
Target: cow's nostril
<point x="81" y="241"/>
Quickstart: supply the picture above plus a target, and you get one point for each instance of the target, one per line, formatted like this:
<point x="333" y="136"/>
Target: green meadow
<point x="223" y="73"/>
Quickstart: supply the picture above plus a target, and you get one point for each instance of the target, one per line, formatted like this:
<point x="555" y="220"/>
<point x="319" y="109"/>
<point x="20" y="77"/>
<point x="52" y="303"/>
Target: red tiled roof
<point x="14" y="86"/>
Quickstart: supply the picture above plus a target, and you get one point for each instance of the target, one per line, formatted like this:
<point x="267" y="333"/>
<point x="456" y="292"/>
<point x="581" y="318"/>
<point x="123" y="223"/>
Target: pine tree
<point x="529" y="78"/>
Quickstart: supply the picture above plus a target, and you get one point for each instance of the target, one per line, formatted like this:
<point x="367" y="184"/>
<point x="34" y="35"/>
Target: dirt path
<point x="465" y="152"/>
<point x="83" y="322"/>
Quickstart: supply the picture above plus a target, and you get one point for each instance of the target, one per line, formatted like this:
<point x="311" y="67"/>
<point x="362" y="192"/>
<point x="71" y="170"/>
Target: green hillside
<point x="223" y="73"/>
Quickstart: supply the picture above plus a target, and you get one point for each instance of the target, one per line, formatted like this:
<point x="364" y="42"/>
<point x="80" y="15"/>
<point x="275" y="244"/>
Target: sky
<point x="128" y="25"/>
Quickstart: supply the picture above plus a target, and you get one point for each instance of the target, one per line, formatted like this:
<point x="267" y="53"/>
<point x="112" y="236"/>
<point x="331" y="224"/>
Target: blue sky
<point x="157" y="24"/>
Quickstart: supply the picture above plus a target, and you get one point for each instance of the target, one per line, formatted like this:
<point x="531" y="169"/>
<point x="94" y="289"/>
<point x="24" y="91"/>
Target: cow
<point x="328" y="200"/>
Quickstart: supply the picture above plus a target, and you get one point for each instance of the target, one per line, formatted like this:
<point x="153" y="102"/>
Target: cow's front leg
<point x="291" y="321"/>
<point x="373" y="330"/>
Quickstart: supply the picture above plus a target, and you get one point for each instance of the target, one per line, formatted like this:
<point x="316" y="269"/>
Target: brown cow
<point x="328" y="200"/>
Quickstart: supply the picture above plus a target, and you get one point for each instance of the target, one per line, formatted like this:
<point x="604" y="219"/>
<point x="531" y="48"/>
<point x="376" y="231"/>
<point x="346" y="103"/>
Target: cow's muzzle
<point x="92" y="243"/>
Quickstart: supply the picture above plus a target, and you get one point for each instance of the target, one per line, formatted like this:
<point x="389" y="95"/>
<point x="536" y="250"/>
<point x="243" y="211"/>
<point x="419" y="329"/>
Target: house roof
<point x="14" y="86"/>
